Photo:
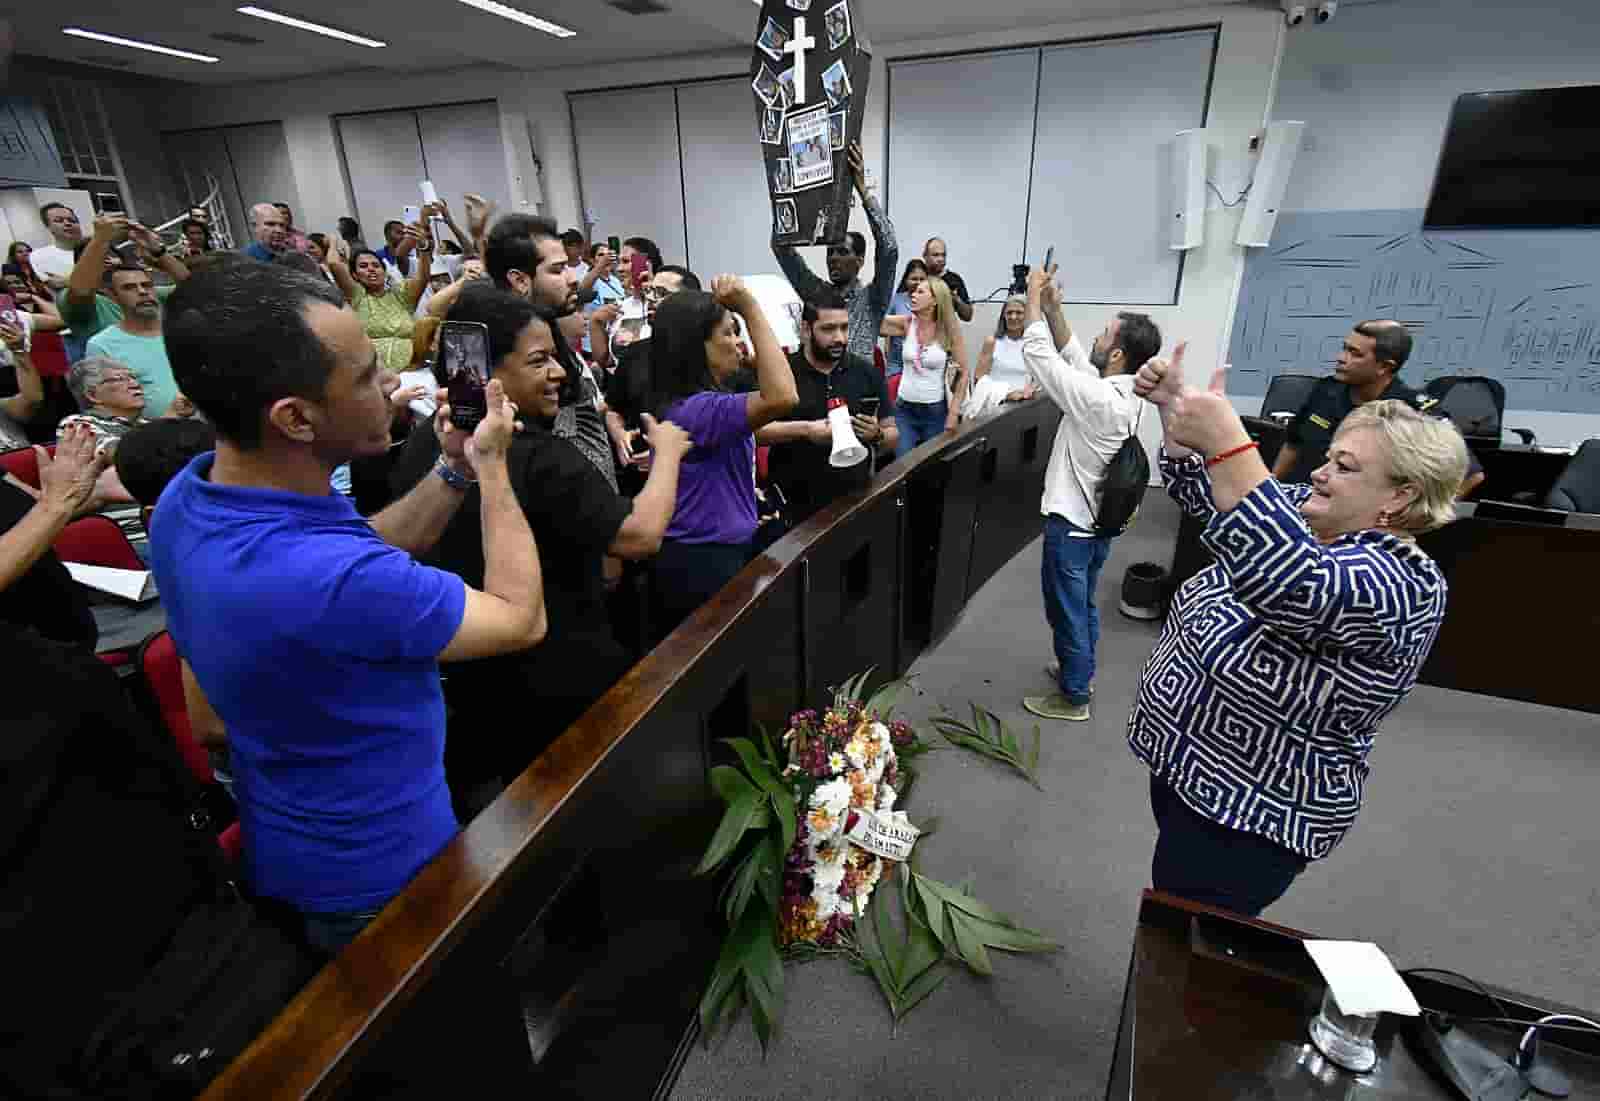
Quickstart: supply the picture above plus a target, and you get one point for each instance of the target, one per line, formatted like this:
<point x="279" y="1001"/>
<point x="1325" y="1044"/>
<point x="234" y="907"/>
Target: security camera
<point x="1327" y="10"/>
<point x="1294" y="14"/>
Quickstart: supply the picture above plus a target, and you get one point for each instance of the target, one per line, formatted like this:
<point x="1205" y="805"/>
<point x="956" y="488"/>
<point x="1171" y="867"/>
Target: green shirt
<point x="389" y="322"/>
<point x="146" y="357"/>
<point x="87" y="319"/>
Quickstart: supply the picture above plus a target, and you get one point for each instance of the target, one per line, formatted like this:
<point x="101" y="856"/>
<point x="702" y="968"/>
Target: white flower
<point x="886" y="797"/>
<point x="825" y="879"/>
<point x="836" y="762"/>
<point x="856" y="750"/>
<point x="833" y="797"/>
<point x="881" y="732"/>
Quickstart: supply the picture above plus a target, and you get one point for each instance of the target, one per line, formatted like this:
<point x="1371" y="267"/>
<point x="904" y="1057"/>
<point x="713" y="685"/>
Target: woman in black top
<point x="576" y="519"/>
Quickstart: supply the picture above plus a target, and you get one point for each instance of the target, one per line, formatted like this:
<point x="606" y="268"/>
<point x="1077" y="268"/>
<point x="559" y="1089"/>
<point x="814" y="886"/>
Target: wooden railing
<point x="559" y="943"/>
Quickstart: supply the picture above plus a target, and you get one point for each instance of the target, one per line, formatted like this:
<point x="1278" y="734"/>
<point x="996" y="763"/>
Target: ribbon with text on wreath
<point x="809" y="77"/>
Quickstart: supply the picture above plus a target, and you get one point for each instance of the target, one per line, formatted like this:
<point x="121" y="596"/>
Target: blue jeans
<point x="918" y="422"/>
<point x="1069" y="573"/>
<point x="1208" y="862"/>
<point x="331" y="932"/>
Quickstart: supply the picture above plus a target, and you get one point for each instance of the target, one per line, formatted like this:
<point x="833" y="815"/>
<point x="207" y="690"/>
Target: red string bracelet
<point x="1230" y="453"/>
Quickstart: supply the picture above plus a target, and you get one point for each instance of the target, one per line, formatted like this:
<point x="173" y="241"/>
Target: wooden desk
<point x="1216" y="1009"/>
<point x="1523" y="609"/>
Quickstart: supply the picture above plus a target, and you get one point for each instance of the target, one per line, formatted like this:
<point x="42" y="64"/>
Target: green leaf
<point x="769" y="747"/>
<point x="757" y="769"/>
<point x="1033" y="754"/>
<point x="961" y="900"/>
<point x="883" y="700"/>
<point x="769" y="872"/>
<point x="968" y="944"/>
<point x="920" y="987"/>
<point x="730" y="783"/>
<point x="988" y="736"/>
<point x="735" y="820"/>
<point x="1009" y="938"/>
<point x="786" y="812"/>
<point x="884" y="928"/>
<point x="725" y="977"/>
<point x="741" y="885"/>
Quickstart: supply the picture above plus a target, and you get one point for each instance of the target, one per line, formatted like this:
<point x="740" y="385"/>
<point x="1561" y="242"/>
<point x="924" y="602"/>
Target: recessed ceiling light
<point x="504" y="12"/>
<point x="134" y="43"/>
<point x="314" y="28"/>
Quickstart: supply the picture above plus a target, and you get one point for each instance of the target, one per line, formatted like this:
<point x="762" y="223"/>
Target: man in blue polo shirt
<point x="270" y="229"/>
<point x="312" y="632"/>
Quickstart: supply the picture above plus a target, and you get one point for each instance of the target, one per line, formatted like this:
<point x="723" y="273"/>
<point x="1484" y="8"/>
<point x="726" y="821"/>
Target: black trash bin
<point x="1143" y="590"/>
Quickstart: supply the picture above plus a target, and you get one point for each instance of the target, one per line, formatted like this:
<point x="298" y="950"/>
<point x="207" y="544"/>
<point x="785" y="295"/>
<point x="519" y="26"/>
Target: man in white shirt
<point x="1100" y="410"/>
<point x="53" y="263"/>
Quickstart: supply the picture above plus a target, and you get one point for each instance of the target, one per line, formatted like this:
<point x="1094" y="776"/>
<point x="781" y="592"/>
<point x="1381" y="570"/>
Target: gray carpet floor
<point x="1476" y="850"/>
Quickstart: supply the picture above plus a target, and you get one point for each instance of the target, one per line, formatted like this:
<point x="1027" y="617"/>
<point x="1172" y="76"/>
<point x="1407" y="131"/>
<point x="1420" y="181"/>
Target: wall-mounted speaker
<point x="1278" y="152"/>
<point x="1188" y="220"/>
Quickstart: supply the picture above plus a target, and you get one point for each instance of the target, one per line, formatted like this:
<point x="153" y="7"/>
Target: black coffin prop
<point x="805" y="126"/>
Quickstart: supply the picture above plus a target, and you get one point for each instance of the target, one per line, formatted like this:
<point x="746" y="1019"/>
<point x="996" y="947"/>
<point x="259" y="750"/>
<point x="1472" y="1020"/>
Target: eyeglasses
<point x="656" y="294"/>
<point x="122" y="380"/>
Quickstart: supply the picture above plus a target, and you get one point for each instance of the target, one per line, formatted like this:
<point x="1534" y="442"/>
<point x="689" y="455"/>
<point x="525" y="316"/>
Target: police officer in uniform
<point x="1367" y="370"/>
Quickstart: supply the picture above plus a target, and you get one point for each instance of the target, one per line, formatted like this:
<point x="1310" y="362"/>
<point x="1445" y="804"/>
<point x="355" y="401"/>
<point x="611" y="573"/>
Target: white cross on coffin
<point x="798" y="45"/>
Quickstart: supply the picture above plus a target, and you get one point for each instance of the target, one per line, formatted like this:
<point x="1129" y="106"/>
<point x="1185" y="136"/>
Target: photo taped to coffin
<point x="772" y="125"/>
<point x="784" y="216"/>
<point x="786" y="86"/>
<point x="810" y="148"/>
<point x="837" y="19"/>
<point x="782" y="176"/>
<point x="773" y="39"/>
<point x="836" y="131"/>
<point x="766" y="86"/>
<point x="836" y="84"/>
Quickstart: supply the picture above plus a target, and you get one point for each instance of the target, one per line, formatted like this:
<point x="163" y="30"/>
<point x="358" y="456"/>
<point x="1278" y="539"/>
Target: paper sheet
<point x="132" y="585"/>
<point x="1362" y="979"/>
<point x="425" y="405"/>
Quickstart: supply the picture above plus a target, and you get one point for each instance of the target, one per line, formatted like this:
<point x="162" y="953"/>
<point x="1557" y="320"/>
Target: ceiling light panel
<point x="135" y="44"/>
<point x="306" y="25"/>
<point x="493" y="7"/>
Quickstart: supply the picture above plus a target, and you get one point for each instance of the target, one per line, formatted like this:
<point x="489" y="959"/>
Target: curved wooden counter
<point x="559" y="942"/>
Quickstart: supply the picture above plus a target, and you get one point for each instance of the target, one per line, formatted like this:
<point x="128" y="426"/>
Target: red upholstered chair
<point x="97" y="541"/>
<point x="230" y="843"/>
<point x="878" y="359"/>
<point x="162" y="671"/>
<point x="763" y="454"/>
<point x="894" y="387"/>
<point x="23" y="465"/>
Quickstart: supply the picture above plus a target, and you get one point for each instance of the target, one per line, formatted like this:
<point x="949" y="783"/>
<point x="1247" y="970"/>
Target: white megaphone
<point x="847" y="450"/>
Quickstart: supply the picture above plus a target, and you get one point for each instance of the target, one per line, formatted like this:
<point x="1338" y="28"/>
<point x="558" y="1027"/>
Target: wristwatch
<point x="453" y="477"/>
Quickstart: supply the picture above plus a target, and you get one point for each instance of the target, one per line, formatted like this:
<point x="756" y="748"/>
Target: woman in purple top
<point x="694" y="356"/>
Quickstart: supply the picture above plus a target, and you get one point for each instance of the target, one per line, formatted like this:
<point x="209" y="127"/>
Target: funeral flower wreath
<point x="811" y="827"/>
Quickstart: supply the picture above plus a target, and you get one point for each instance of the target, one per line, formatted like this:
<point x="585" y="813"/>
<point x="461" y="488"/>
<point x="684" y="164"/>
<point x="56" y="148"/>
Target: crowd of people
<point x="219" y="404"/>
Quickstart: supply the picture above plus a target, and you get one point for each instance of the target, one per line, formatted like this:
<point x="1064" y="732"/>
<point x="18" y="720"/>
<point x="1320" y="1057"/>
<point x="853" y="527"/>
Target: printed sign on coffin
<point x="808" y="82"/>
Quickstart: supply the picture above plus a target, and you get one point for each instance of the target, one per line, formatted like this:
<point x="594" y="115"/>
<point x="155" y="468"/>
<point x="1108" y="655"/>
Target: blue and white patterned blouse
<point x="1261" y="701"/>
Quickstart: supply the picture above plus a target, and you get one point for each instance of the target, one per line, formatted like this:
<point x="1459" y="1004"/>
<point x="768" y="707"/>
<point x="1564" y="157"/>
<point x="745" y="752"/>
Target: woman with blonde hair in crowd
<point x="1001" y="376"/>
<point x="1262" y="700"/>
<point x="929" y="401"/>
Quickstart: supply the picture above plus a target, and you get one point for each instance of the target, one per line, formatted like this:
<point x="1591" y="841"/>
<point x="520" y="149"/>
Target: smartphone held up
<point x="464" y="361"/>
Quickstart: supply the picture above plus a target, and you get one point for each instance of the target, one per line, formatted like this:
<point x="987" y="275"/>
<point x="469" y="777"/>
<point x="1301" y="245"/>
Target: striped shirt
<point x="1278" y="662"/>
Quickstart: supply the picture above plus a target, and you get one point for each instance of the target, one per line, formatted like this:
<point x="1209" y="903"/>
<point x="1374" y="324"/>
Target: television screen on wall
<point x="1520" y="159"/>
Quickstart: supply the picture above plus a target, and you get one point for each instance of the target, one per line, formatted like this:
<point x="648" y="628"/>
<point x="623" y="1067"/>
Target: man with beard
<point x="867" y="304"/>
<point x="1094" y="391"/>
<point x="577" y="520"/>
<point x="136" y="339"/>
<point x="824" y="370"/>
<point x="524" y="254"/>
